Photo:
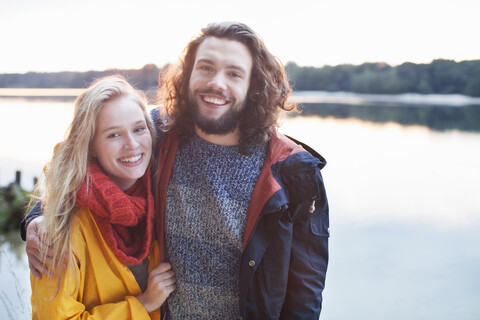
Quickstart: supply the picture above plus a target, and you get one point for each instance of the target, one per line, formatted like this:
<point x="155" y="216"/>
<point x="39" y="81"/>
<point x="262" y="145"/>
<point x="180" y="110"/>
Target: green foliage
<point x="440" y="77"/>
<point x="13" y="201"/>
<point x="145" y="79"/>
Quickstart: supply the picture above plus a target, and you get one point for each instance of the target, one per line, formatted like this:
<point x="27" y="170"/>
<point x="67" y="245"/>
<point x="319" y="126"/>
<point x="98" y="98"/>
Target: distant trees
<point x="145" y="79"/>
<point x="439" y="76"/>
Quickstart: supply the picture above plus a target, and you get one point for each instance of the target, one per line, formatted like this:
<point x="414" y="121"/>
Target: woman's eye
<point x="140" y="129"/>
<point x="113" y="135"/>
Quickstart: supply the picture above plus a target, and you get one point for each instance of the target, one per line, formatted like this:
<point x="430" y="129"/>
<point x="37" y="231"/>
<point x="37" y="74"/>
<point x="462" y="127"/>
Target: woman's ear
<point x="92" y="152"/>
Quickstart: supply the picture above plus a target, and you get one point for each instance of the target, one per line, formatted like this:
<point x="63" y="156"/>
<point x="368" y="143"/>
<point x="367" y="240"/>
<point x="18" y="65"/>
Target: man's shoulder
<point x="158" y="120"/>
<point x="298" y="169"/>
<point x="286" y="148"/>
<point x="155" y="114"/>
<point x="156" y="117"/>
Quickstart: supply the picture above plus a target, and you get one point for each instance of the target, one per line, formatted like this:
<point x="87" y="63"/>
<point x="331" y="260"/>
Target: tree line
<point x="145" y="79"/>
<point x="439" y="77"/>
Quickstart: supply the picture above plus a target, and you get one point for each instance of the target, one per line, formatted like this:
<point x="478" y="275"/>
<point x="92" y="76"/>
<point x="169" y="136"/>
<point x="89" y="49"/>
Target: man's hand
<point x="161" y="282"/>
<point x="33" y="248"/>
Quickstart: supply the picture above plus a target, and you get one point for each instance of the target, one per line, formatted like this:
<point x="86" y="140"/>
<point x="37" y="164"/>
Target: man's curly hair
<point x="266" y="97"/>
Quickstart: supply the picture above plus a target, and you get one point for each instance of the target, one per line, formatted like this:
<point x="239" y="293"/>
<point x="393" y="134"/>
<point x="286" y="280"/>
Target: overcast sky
<point x="61" y="35"/>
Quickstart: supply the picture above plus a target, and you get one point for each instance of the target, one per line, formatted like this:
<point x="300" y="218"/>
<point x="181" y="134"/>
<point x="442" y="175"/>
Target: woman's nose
<point x="131" y="142"/>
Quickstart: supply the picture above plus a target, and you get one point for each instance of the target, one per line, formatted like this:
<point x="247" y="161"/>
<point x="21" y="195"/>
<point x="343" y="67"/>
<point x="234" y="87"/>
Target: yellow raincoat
<point x="106" y="289"/>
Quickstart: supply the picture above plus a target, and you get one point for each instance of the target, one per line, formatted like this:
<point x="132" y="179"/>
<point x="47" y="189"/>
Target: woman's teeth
<point x="131" y="159"/>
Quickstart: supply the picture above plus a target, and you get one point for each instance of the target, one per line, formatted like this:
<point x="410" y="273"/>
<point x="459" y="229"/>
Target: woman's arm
<point x="66" y="305"/>
<point x="73" y="287"/>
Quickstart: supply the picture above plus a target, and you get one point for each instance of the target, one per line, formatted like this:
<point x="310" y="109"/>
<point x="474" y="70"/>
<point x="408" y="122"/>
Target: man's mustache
<point x="215" y="92"/>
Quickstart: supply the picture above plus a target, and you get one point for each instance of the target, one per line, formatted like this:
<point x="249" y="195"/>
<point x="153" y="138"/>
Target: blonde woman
<point x="98" y="214"/>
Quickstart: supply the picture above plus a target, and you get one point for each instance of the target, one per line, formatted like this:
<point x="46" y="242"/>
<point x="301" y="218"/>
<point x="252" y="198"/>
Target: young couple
<point x="224" y="216"/>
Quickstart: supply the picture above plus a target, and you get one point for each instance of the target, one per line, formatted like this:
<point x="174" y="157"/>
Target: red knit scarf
<point x="125" y="219"/>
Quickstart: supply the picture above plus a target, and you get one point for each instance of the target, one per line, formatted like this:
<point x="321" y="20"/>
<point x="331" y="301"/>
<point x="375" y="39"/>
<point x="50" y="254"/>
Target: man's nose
<point x="218" y="82"/>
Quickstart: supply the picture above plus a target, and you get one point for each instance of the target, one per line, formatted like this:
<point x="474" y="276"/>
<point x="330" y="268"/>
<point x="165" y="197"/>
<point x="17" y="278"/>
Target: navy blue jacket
<point x="284" y="262"/>
<point x="285" y="256"/>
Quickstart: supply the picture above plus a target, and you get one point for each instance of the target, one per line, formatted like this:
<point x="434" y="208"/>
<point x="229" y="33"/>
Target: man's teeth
<point x="132" y="159"/>
<point x="214" y="100"/>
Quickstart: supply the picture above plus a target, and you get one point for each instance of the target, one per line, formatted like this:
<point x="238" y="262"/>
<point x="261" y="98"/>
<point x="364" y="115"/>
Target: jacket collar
<point x="280" y="148"/>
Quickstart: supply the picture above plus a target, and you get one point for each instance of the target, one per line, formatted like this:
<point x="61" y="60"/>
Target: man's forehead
<point x="223" y="49"/>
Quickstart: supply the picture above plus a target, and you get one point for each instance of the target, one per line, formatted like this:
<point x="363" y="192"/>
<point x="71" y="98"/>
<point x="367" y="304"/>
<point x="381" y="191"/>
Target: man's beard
<point x="221" y="126"/>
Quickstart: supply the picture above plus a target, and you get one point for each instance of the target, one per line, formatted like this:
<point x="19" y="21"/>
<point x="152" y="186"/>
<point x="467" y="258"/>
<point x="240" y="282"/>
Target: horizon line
<point x="288" y="62"/>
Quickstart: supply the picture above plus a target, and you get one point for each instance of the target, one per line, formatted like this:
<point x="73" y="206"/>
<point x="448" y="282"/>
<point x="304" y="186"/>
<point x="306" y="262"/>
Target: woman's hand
<point x="34" y="247"/>
<point x="161" y="282"/>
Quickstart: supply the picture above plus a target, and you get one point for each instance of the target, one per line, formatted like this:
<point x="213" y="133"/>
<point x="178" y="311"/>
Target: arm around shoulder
<point x="32" y="214"/>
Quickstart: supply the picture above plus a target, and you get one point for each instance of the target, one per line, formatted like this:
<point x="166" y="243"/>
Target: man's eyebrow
<point x="231" y="66"/>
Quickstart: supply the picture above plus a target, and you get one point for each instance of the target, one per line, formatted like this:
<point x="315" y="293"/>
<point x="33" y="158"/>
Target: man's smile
<point x="215" y="100"/>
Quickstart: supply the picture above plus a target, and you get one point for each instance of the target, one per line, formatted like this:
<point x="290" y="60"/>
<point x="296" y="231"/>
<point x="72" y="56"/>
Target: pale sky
<point x="65" y="35"/>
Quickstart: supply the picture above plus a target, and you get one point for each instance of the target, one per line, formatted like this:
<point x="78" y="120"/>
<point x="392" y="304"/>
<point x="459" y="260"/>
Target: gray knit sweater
<point x="206" y="212"/>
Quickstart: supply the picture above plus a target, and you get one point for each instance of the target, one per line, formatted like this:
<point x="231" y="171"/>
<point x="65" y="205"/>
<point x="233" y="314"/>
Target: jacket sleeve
<point x="32" y="214"/>
<point x="309" y="256"/>
<point x="67" y="305"/>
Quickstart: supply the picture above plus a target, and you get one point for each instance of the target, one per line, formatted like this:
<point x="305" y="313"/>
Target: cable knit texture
<point x="206" y="211"/>
<point x="125" y="218"/>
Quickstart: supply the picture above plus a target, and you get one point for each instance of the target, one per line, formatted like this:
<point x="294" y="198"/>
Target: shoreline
<point x="342" y="97"/>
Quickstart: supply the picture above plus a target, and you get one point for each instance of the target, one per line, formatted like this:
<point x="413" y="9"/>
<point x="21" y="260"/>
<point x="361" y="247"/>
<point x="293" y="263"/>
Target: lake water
<point x="403" y="188"/>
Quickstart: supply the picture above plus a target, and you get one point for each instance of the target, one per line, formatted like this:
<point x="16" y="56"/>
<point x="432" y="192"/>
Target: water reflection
<point x="14" y="278"/>
<point x="391" y="173"/>
<point x="405" y="215"/>
<point x="405" y="219"/>
<point x="464" y="118"/>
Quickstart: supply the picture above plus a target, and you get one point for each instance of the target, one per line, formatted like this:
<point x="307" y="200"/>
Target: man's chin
<point x="216" y="125"/>
<point x="213" y="128"/>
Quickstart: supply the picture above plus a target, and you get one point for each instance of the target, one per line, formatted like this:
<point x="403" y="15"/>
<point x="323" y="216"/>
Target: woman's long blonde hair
<point x="68" y="167"/>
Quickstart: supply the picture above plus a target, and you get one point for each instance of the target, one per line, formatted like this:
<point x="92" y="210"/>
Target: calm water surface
<point x="405" y="214"/>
